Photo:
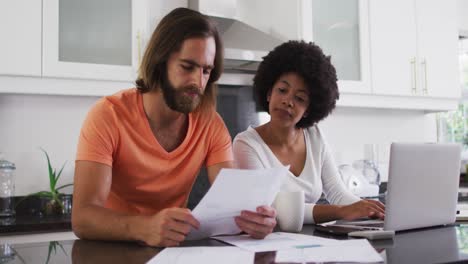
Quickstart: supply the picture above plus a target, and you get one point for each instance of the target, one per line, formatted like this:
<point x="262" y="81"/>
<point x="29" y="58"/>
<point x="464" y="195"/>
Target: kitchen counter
<point x="432" y="245"/>
<point x="35" y="224"/>
<point x="29" y="219"/>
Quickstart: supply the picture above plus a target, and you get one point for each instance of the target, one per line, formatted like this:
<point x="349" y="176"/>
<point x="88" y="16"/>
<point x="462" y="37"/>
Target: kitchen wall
<point x="32" y="121"/>
<point x="349" y="129"/>
<point x="53" y="122"/>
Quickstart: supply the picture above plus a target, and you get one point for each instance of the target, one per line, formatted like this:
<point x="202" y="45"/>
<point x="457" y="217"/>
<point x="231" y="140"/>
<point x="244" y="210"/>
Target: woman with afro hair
<point x="297" y="85"/>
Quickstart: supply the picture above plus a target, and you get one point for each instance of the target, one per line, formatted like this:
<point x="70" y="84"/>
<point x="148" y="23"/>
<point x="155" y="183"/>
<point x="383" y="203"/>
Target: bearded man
<point x="140" y="150"/>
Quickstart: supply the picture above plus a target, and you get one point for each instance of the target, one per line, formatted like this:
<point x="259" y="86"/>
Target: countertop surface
<point x="434" y="245"/>
<point x="29" y="219"/>
<point x="34" y="224"/>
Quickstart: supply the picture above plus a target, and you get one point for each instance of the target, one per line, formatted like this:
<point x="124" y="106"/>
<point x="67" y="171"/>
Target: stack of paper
<point x="237" y="190"/>
<point x="304" y="248"/>
<point x="276" y="241"/>
<point x="233" y="191"/>
<point x="355" y="250"/>
<point x="228" y="255"/>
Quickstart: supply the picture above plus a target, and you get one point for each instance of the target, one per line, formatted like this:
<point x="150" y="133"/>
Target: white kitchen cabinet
<point x="20" y="27"/>
<point x="438" y="48"/>
<point x="340" y="28"/>
<point x="74" y="73"/>
<point x="414" y="48"/>
<point x="278" y="18"/>
<point x="102" y="40"/>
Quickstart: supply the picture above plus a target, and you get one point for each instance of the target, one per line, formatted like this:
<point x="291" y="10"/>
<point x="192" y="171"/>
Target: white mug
<point x="289" y="207"/>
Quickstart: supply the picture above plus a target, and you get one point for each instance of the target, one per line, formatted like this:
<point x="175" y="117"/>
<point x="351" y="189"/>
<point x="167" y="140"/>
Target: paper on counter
<point x="228" y="255"/>
<point x="233" y="191"/>
<point x="354" y="250"/>
<point x="277" y="241"/>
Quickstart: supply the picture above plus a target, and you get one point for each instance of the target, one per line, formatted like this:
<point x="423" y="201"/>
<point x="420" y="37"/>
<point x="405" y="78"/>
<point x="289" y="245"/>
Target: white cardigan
<point x="320" y="173"/>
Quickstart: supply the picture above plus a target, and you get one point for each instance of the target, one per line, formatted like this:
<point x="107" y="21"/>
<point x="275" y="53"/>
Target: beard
<point x="177" y="99"/>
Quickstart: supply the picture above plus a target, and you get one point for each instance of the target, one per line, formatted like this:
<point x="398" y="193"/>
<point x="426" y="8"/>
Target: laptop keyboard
<point x="375" y="225"/>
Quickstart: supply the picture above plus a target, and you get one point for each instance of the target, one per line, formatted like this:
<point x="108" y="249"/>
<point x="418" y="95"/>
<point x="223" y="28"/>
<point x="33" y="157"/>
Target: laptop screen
<point x="422" y="185"/>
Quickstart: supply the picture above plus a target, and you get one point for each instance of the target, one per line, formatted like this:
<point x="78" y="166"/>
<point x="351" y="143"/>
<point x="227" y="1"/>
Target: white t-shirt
<point x="320" y="173"/>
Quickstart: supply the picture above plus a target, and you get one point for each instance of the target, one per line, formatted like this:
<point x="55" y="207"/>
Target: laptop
<point x="422" y="190"/>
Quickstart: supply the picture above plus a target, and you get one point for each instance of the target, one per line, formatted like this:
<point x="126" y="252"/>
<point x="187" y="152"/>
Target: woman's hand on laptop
<point x="363" y="208"/>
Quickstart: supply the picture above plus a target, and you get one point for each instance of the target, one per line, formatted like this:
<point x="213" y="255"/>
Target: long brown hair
<point x="177" y="26"/>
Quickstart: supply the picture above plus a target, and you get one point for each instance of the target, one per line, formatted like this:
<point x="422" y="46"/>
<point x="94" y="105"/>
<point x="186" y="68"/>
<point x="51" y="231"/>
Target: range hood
<point x="244" y="45"/>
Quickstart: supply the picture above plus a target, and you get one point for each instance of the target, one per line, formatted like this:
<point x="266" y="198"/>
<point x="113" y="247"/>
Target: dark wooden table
<point x="434" y="245"/>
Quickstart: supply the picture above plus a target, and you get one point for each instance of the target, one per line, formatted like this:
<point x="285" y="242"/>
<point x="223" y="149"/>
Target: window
<point x="453" y="125"/>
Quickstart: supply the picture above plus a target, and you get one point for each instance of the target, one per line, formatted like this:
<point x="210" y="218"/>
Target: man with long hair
<point x="140" y="150"/>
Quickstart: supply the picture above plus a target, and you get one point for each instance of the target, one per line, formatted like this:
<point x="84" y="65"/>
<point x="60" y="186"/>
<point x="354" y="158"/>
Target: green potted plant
<point x="51" y="201"/>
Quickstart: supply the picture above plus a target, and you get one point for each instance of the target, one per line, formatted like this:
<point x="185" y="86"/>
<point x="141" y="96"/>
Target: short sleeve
<point x="99" y="134"/>
<point x="220" y="146"/>
<point x="245" y="154"/>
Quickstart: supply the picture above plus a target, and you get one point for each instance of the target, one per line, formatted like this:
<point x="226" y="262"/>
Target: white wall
<point x="348" y="130"/>
<point x="53" y="122"/>
<point x="462" y="18"/>
<point x="28" y="122"/>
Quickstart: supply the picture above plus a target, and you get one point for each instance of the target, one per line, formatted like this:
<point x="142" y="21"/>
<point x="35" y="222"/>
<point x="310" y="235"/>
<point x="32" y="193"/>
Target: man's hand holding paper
<point x="236" y="202"/>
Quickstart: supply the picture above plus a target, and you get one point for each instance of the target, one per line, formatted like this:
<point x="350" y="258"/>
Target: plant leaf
<point x="60" y="172"/>
<point x="63" y="186"/>
<point x="64" y="252"/>
<point x="51" y="173"/>
<point x="39" y="194"/>
<point x="51" y="245"/>
<point x="24" y="198"/>
<point x="54" y="181"/>
<point x="18" y="255"/>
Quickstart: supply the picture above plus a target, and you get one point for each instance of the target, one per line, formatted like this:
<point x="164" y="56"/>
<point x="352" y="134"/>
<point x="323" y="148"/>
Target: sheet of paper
<point x="233" y="191"/>
<point x="228" y="255"/>
<point x="276" y="241"/>
<point x="354" y="250"/>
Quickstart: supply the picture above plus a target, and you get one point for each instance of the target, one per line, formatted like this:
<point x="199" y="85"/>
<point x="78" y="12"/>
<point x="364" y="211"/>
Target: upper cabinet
<point x="387" y="53"/>
<point x="20" y="48"/>
<point x="438" y="48"/>
<point x="414" y="48"/>
<point x="340" y="28"/>
<point x="278" y="18"/>
<point x="89" y="39"/>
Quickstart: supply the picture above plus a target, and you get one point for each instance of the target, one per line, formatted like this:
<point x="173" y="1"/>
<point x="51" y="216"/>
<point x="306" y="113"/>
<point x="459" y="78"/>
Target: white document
<point x="277" y="241"/>
<point x="233" y="191"/>
<point x="228" y="255"/>
<point x="354" y="250"/>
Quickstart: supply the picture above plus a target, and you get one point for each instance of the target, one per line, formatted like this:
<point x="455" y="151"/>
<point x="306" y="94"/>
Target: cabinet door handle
<point x="424" y="66"/>
<point x="413" y="75"/>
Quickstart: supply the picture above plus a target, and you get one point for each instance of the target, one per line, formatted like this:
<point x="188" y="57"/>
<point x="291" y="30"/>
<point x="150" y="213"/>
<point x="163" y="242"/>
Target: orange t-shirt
<point x="145" y="177"/>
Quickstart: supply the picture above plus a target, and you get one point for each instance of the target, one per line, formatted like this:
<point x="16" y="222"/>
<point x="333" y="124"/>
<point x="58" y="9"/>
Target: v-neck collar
<point x="152" y="138"/>
<point x="306" y="140"/>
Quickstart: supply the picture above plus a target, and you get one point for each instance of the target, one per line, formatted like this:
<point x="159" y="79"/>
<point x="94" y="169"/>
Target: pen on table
<point x="306" y="246"/>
